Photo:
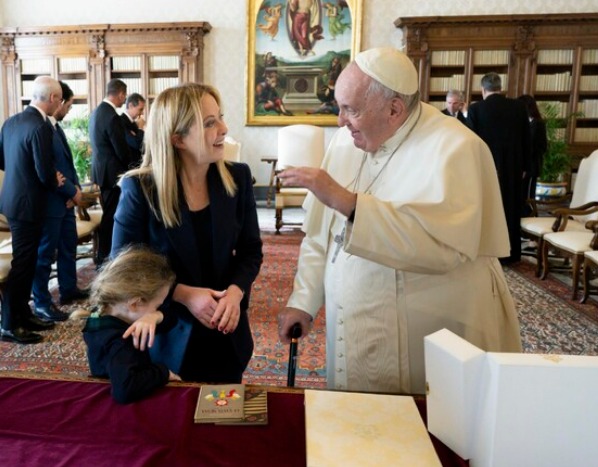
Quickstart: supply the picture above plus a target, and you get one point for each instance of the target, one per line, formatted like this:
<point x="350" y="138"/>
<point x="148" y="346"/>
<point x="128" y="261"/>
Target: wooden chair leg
<point x="95" y="244"/>
<point x="586" y="281"/>
<point x="576" y="268"/>
<point x="539" y="264"/>
<point x="545" y="265"/>
<point x="278" y="217"/>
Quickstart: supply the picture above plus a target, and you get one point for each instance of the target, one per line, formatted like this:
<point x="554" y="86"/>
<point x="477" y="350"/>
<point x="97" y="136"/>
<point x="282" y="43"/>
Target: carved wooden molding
<point x="7" y="51"/>
<point x="99" y="42"/>
<point x="202" y="26"/>
<point x="561" y="19"/>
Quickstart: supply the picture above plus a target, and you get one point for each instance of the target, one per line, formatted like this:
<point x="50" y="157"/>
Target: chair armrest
<point x="89" y="199"/>
<point x="533" y="205"/>
<point x="593" y="226"/>
<point x="564" y="214"/>
<point x="82" y="214"/>
<point x="587" y="208"/>
<point x="4" y="226"/>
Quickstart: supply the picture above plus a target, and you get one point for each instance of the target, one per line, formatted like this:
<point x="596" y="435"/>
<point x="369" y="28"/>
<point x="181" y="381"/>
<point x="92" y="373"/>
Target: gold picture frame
<point x="296" y="50"/>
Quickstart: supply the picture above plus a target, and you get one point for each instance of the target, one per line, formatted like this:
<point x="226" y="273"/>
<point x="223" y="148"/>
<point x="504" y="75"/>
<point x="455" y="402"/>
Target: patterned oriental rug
<point x="550" y="323"/>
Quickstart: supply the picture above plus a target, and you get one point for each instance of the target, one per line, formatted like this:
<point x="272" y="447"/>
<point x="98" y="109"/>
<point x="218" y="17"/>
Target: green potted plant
<point x="77" y="132"/>
<point x="556" y="166"/>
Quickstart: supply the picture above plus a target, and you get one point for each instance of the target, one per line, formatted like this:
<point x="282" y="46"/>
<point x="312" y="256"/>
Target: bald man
<point x="26" y="158"/>
<point x="397" y="246"/>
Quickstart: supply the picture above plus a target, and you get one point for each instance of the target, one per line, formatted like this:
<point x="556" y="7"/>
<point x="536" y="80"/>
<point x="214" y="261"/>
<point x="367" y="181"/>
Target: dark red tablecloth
<point x="65" y="423"/>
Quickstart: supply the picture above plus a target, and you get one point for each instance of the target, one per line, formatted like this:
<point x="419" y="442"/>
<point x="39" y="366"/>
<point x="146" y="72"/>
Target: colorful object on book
<point x="221" y="397"/>
<point x="222" y="402"/>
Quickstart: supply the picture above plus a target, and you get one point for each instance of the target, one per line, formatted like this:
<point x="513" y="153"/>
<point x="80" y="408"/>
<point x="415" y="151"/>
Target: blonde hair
<point x="137" y="272"/>
<point x="173" y="112"/>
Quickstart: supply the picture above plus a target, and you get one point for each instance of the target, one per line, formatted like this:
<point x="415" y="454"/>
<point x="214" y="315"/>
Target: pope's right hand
<point x="287" y="318"/>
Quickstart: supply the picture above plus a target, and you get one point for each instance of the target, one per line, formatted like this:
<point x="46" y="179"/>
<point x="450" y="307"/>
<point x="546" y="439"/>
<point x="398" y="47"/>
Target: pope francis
<point x="404" y="226"/>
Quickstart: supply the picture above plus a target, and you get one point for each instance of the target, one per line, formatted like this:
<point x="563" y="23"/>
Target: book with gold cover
<point x="220" y="402"/>
<point x="345" y="428"/>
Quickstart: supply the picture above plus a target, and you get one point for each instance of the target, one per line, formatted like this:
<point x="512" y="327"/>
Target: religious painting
<point x="296" y="51"/>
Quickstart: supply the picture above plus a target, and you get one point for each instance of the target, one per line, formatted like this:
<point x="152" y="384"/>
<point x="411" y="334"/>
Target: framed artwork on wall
<point x="296" y="50"/>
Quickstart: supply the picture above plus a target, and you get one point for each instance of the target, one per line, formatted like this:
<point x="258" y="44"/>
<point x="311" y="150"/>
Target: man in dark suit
<point x="109" y="159"/>
<point x="59" y="236"/>
<point x="454" y="105"/>
<point x="503" y="124"/>
<point x="26" y="158"/>
<point x="134" y="123"/>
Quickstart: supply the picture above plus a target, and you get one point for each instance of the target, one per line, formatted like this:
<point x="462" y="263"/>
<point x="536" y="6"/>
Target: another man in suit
<point x="26" y="158"/>
<point x="454" y="105"/>
<point x="59" y="236"/>
<point x="503" y="124"/>
<point x="110" y="158"/>
<point x="134" y="122"/>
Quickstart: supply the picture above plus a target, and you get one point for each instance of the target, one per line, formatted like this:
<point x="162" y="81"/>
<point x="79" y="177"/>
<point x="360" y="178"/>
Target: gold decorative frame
<point x="292" y="66"/>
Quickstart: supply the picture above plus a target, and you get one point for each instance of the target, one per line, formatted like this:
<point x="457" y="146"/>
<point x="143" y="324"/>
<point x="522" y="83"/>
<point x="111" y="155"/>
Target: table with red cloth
<point x="47" y="420"/>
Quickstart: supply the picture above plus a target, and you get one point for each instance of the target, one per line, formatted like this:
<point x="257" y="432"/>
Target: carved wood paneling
<point x="523" y="36"/>
<point x="98" y="43"/>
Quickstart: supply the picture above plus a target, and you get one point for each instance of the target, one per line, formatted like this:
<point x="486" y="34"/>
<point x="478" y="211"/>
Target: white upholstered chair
<point x="232" y="149"/>
<point x="567" y="240"/>
<point x="89" y="215"/>
<point x="590" y="268"/>
<point x="298" y="146"/>
<point x="5" y="257"/>
<point x="585" y="196"/>
<point x="570" y="245"/>
<point x="5" y="244"/>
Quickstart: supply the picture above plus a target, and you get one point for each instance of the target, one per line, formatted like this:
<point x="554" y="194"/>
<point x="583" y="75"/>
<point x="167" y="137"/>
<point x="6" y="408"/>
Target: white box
<point x="453" y="366"/>
<point x="538" y="410"/>
<point x="528" y="410"/>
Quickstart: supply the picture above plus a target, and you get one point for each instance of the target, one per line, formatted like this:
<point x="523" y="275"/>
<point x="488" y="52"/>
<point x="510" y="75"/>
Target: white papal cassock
<point x="421" y="254"/>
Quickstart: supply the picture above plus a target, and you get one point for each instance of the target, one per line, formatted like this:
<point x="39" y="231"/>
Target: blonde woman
<point x="126" y="294"/>
<point x="186" y="202"/>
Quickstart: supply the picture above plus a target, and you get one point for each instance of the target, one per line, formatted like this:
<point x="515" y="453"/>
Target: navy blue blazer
<point x="63" y="161"/>
<point x="110" y="155"/>
<point x="460" y="116"/>
<point x="237" y="252"/>
<point x="26" y="157"/>
<point x="134" y="136"/>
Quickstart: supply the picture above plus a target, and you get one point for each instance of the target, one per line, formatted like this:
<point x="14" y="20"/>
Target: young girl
<point x="127" y="293"/>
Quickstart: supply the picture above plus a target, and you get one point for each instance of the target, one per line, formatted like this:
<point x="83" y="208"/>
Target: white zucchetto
<point x="390" y="67"/>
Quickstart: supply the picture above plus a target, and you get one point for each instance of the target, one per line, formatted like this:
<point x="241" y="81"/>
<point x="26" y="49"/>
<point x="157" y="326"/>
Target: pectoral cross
<point x="339" y="240"/>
